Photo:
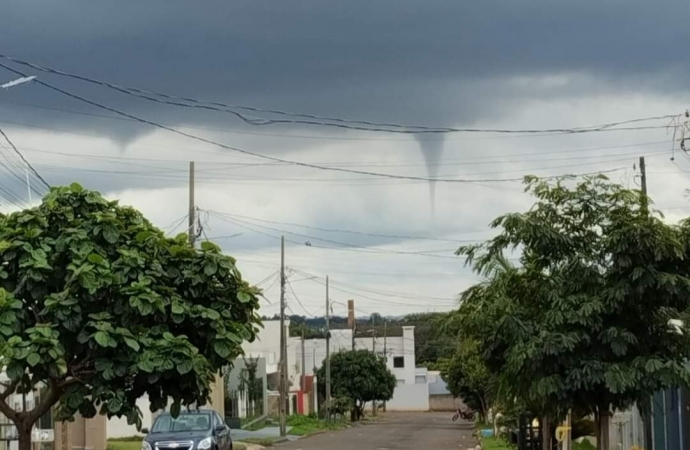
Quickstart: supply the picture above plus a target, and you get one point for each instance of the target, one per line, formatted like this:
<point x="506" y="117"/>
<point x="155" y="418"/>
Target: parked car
<point x="191" y="430"/>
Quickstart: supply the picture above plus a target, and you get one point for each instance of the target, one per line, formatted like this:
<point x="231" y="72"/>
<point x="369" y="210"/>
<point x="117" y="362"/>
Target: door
<point x="222" y="437"/>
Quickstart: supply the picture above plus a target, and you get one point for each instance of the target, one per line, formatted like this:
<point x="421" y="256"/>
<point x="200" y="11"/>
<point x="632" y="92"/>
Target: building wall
<point x="444" y="402"/>
<point x="396" y="347"/>
<point x="409" y="397"/>
<point x="118" y="427"/>
<point x="267" y="346"/>
<point x="232" y="382"/>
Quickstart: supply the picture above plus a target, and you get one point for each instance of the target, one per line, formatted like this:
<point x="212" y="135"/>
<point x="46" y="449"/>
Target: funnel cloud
<point x="432" y="150"/>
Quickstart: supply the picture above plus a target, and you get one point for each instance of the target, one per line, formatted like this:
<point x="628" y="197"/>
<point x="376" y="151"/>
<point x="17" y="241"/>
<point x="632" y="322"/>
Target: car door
<point x="223" y="438"/>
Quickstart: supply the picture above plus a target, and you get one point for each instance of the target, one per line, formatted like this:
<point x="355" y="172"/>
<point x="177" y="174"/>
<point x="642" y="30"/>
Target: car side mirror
<point x="220" y="429"/>
<point x="145" y="430"/>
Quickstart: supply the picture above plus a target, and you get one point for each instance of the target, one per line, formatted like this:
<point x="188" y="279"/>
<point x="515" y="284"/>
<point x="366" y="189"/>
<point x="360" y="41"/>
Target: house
<point x="398" y="349"/>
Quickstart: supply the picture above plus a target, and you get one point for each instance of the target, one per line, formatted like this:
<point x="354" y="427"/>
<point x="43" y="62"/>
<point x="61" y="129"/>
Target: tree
<point x="359" y="376"/>
<point x="468" y="377"/>
<point x="98" y="307"/>
<point x="584" y="321"/>
<point x="252" y="387"/>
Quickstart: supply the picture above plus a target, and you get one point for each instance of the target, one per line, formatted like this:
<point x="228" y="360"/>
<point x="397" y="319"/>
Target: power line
<point x="318" y="120"/>
<point x="309" y="313"/>
<point x="347" y="247"/>
<point x="361" y="233"/>
<point x="247" y="152"/>
<point x="28" y="164"/>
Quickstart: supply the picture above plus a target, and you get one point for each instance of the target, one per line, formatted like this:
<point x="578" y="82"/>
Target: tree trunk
<point x="604" y="418"/>
<point x="545" y="425"/>
<point x="24" y="436"/>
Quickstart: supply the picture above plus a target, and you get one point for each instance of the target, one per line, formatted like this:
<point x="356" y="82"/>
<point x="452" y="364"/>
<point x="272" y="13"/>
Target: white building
<point x="412" y="391"/>
<point x="267" y="346"/>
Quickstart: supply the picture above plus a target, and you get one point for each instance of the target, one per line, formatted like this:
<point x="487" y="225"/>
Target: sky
<point x="387" y="243"/>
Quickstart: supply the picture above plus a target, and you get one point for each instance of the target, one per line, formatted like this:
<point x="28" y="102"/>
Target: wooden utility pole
<point x="283" y="343"/>
<point x="328" y="353"/>
<point x="192" y="207"/>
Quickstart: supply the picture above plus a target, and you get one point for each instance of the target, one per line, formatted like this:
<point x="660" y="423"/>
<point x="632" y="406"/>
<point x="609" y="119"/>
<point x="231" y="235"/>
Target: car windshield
<point x="184" y="422"/>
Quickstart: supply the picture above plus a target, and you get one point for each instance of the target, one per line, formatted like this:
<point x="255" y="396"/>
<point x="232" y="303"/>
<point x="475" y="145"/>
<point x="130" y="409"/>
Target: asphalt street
<point x="433" y="431"/>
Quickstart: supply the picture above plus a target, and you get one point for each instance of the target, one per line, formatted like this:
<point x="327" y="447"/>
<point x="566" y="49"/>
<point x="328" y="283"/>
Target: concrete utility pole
<point x="304" y="360"/>
<point x="192" y="207"/>
<point x="647" y="417"/>
<point x="328" y="353"/>
<point x="283" y="343"/>
<point x="643" y="175"/>
<point x="385" y="349"/>
<point x="373" y="350"/>
<point x="352" y="320"/>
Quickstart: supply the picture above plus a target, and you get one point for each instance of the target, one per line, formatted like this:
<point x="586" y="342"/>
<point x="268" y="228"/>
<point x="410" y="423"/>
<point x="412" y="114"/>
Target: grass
<point x="584" y="445"/>
<point x="257" y="425"/>
<point x="306" y="425"/>
<point x="120" y="444"/>
<point x="494" y="443"/>
<point x="264" y="442"/>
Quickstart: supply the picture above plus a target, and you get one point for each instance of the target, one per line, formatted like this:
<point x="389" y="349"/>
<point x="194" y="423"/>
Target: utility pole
<point x="28" y="185"/>
<point x="643" y="175"/>
<point x="192" y="207"/>
<point x="385" y="349"/>
<point x="352" y="320"/>
<point x="304" y="360"/>
<point x="283" y="342"/>
<point x="373" y="350"/>
<point x="328" y="353"/>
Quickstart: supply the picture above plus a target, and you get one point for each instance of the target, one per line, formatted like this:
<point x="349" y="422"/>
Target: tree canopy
<point x="98" y="307"/>
<point x="468" y="377"/>
<point x="584" y="319"/>
<point x="359" y="376"/>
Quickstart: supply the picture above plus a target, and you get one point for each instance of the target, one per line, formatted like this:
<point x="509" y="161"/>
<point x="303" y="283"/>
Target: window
<point x="184" y="422"/>
<point x="420" y="379"/>
<point x="399" y="362"/>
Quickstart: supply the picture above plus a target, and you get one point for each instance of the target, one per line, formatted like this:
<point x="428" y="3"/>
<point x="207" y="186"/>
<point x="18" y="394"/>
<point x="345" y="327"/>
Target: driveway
<point x="422" y="431"/>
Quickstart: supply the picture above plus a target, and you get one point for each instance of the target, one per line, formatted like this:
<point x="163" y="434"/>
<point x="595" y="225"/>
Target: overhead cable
<point x="258" y="155"/>
<point x="319" y="120"/>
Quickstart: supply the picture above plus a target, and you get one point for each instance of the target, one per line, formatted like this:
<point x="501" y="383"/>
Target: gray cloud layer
<point x="405" y="60"/>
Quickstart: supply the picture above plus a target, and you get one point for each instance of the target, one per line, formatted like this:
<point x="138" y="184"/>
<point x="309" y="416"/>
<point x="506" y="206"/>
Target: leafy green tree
<point x="98" y="307"/>
<point x="359" y="376"/>
<point x="584" y="320"/>
<point x="469" y="378"/>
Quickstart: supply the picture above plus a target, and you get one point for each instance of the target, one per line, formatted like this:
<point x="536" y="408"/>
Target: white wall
<point x="117" y="428"/>
<point x="399" y="346"/>
<point x="267" y="345"/>
<point x="409" y="397"/>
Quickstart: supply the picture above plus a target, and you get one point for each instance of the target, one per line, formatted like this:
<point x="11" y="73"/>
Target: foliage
<point x="495" y="443"/>
<point x="468" y="377"/>
<point x="583" y="321"/>
<point x="359" y="376"/>
<point x="100" y="308"/>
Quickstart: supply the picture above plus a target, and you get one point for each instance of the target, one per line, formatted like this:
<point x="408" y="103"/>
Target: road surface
<point x="422" y="431"/>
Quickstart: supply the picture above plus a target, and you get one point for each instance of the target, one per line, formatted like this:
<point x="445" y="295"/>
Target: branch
<point x="51" y="398"/>
<point x="9" y="412"/>
<point x="9" y="389"/>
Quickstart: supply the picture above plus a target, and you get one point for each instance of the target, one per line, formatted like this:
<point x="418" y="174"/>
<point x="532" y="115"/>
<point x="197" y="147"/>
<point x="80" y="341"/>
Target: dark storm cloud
<point x="406" y="60"/>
